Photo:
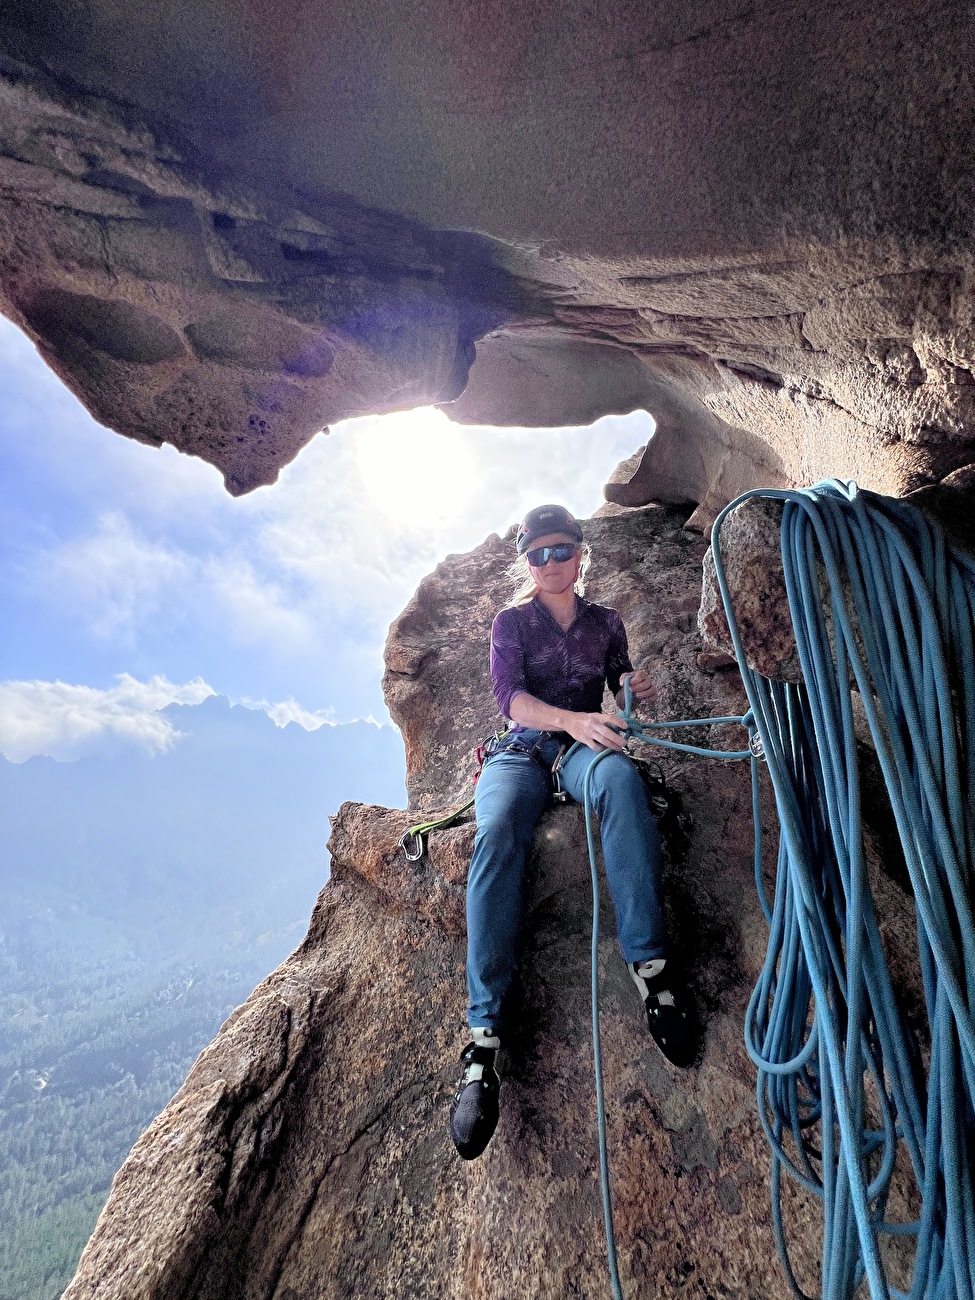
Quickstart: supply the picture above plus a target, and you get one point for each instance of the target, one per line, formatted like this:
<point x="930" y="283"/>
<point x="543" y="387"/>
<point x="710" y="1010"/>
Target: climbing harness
<point x="414" y="838"/>
<point x="674" y="822"/>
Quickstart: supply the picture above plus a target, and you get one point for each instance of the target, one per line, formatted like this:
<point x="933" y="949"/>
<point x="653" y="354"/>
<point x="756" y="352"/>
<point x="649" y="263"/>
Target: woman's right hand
<point x="598" y="731"/>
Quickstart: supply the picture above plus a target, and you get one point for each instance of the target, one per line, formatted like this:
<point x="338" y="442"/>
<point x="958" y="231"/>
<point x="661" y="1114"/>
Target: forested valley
<point x="144" y="899"/>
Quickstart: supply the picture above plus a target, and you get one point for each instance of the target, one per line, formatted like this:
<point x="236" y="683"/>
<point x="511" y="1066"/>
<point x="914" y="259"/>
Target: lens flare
<point x="416" y="467"/>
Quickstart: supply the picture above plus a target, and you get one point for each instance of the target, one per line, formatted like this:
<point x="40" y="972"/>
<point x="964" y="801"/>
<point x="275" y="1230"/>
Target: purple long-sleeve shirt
<point x="530" y="652"/>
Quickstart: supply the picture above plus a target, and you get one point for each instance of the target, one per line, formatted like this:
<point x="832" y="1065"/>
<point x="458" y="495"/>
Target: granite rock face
<point x="226" y="229"/>
<point x="307" y="1156"/>
<point x="751" y="547"/>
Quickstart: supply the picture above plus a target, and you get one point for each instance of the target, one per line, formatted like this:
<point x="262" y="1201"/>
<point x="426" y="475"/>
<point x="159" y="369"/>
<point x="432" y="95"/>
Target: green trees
<point x="143" y="898"/>
<point x="86" y="1063"/>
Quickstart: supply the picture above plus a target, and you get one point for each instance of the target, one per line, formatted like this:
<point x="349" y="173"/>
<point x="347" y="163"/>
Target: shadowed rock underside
<point x="226" y="231"/>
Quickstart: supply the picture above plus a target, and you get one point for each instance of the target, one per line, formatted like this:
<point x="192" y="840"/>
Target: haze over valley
<point x="144" y="897"/>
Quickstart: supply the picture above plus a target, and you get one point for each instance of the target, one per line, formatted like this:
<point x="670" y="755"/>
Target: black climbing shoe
<point x="474" y="1111"/>
<point x="671" y="1022"/>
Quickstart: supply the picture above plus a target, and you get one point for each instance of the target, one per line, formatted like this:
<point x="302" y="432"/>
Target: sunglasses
<point x="560" y="552"/>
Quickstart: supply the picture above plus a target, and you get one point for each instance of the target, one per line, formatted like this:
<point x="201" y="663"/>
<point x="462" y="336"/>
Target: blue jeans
<point x="511" y="795"/>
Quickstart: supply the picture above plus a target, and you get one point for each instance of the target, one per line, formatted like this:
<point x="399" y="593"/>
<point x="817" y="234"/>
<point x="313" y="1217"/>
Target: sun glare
<point x="416" y="466"/>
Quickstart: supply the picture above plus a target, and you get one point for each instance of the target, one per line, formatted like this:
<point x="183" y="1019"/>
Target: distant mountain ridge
<point x="237" y="809"/>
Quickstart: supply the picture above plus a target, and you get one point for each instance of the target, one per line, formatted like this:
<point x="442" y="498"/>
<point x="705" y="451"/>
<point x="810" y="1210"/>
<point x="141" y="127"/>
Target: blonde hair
<point x="524" y="584"/>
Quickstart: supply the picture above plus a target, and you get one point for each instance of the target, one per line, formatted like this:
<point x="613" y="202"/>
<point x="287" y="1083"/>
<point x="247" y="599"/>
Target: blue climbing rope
<point x="877" y="600"/>
<point x="645" y="732"/>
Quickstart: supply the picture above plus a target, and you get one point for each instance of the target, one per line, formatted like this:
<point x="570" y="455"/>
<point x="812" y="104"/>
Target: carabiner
<point x="419" y="845"/>
<point x="558" y="794"/>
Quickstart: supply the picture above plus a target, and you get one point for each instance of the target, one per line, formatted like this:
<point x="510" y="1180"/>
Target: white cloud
<point x="254" y="609"/>
<point x="65" y="721"/>
<point x="290" y="710"/>
<point x="115" y="577"/>
<point x="121" y="584"/>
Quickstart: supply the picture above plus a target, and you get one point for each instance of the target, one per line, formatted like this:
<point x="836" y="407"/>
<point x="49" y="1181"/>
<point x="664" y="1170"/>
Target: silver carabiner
<point x="558" y="794"/>
<point x="419" y="845"/>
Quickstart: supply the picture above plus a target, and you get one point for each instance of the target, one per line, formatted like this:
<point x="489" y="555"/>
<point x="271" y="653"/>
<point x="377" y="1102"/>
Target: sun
<point x="416" y="466"/>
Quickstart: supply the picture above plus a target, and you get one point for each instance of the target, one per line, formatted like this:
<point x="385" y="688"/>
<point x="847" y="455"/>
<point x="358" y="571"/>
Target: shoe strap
<point x="663" y="998"/>
<point x="650" y="970"/>
<point x="656" y="987"/>
<point x="475" y="1055"/>
<point x="485" y="1037"/>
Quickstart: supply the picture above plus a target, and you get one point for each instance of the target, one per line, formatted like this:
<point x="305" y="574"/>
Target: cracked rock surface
<point x="307" y="1155"/>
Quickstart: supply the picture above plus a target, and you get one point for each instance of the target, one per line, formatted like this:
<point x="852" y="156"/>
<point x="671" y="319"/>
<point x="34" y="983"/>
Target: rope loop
<point x="879" y="600"/>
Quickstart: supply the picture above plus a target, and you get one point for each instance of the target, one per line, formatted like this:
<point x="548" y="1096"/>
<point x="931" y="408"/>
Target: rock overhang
<point x="228" y="233"/>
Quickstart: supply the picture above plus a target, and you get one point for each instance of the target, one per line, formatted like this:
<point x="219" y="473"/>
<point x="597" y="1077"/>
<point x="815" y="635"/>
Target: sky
<point x="130" y="579"/>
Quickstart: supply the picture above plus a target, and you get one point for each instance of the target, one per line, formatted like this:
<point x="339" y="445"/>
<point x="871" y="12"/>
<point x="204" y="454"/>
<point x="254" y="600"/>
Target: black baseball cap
<point x="546" y="519"/>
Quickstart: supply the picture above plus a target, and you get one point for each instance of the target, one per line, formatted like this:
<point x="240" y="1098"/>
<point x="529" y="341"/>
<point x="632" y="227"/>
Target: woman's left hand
<point x="641" y="687"/>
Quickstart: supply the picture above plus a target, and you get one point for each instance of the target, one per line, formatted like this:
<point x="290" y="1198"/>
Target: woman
<point x="552" y="654"/>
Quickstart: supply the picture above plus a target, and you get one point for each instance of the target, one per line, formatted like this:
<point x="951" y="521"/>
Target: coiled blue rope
<point x="841" y="1087"/>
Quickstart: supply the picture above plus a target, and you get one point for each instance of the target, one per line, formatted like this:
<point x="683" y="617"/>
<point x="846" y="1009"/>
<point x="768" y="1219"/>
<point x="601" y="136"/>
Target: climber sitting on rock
<point x="552" y="654"/>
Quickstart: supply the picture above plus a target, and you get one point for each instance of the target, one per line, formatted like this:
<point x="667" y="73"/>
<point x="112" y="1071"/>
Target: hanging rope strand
<point x="878" y="601"/>
<point x="646" y="732"/>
